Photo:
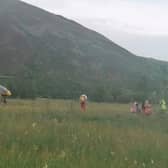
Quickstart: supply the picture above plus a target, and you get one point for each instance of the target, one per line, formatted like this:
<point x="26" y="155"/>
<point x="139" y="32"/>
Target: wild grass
<point x="55" y="134"/>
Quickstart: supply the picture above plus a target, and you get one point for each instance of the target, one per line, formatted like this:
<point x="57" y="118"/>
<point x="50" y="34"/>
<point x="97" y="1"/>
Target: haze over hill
<point x="138" y="26"/>
<point x="51" y="56"/>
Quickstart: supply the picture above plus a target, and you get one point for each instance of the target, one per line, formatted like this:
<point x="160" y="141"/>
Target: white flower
<point x="26" y="132"/>
<point x="112" y="153"/>
<point x="34" y="125"/>
<point x="45" y="166"/>
<point x="135" y="162"/>
<point x="99" y="137"/>
<point x="55" y="120"/>
<point x="35" y="147"/>
<point x="152" y="161"/>
<point x="143" y="164"/>
<point x="74" y="138"/>
<point x="126" y="159"/>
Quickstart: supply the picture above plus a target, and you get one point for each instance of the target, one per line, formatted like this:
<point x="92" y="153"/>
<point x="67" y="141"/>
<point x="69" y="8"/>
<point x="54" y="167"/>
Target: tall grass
<point x="56" y="134"/>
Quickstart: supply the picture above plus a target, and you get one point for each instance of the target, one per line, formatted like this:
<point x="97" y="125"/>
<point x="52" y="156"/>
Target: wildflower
<point x="26" y="132"/>
<point x="62" y="154"/>
<point x="20" y="155"/>
<point x="55" y="120"/>
<point x="135" y="162"/>
<point x="152" y="161"/>
<point x="34" y="125"/>
<point x="126" y="159"/>
<point x="143" y="164"/>
<point x="35" y="147"/>
<point x="112" y="153"/>
<point x="100" y="138"/>
<point x="45" y="166"/>
<point x="74" y="138"/>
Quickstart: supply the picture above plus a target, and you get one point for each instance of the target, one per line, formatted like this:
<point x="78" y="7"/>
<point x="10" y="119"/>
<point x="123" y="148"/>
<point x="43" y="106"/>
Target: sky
<point x="140" y="26"/>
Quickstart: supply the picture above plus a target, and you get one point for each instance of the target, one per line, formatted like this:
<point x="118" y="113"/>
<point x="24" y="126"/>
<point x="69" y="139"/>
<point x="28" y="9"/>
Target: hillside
<point x="51" y="56"/>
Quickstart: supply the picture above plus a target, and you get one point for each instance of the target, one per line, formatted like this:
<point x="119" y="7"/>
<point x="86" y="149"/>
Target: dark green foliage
<point x="50" y="56"/>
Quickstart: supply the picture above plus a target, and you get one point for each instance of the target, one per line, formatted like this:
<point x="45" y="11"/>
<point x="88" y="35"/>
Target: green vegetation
<point x="47" y="55"/>
<point x="54" y="133"/>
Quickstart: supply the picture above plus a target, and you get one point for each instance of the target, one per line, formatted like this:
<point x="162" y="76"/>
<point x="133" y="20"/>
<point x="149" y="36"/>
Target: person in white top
<point x="4" y="92"/>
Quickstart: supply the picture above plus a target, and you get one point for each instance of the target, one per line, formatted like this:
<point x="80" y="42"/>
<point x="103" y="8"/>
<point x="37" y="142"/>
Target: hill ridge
<point x="52" y="56"/>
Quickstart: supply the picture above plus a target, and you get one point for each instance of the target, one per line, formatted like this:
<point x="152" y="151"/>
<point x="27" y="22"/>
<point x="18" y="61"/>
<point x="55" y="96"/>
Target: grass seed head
<point x="45" y="166"/>
<point x="143" y="164"/>
<point x="112" y="153"/>
<point x="135" y="162"/>
<point x="34" y="124"/>
<point x="126" y="159"/>
<point x="152" y="161"/>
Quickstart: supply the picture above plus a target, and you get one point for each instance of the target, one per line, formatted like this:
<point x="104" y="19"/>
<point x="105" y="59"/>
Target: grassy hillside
<point x="51" y="56"/>
<point x="54" y="133"/>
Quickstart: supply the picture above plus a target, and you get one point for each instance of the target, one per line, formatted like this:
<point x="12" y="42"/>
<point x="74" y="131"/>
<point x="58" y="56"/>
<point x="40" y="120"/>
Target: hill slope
<point x="50" y="55"/>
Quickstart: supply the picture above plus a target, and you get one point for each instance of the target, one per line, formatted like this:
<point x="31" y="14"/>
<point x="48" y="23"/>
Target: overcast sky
<point x="140" y="26"/>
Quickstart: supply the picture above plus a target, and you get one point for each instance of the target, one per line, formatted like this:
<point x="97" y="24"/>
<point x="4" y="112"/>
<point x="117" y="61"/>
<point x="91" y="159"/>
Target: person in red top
<point x="147" y="108"/>
<point x="83" y="100"/>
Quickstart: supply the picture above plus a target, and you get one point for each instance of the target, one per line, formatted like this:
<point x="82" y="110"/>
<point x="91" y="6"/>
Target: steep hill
<point x="49" y="55"/>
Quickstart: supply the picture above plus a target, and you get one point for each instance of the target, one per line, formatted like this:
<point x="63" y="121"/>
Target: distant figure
<point x="4" y="92"/>
<point x="143" y="107"/>
<point x="163" y="105"/>
<point x="147" y="108"/>
<point x="134" y="107"/>
<point x="138" y="108"/>
<point x="83" y="100"/>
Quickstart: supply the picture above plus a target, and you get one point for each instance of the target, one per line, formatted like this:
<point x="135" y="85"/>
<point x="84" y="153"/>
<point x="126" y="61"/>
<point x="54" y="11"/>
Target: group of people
<point x="144" y="107"/>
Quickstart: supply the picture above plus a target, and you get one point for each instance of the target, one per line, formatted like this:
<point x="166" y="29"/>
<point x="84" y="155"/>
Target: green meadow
<point x="55" y="134"/>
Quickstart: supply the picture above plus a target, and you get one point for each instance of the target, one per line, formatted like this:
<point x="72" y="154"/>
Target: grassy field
<point x="56" y="134"/>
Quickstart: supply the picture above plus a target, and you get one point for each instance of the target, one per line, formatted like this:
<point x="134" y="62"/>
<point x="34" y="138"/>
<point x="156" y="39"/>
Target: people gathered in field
<point x="145" y="107"/>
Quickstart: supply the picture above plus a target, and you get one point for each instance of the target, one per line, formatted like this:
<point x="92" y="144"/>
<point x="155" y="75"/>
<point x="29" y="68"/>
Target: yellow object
<point x="83" y="98"/>
<point x="6" y="93"/>
<point x="9" y="93"/>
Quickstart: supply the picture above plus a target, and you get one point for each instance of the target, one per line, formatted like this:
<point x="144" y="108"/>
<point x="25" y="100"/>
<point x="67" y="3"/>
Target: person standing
<point x="163" y="105"/>
<point x="83" y="100"/>
<point x="147" y="108"/>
